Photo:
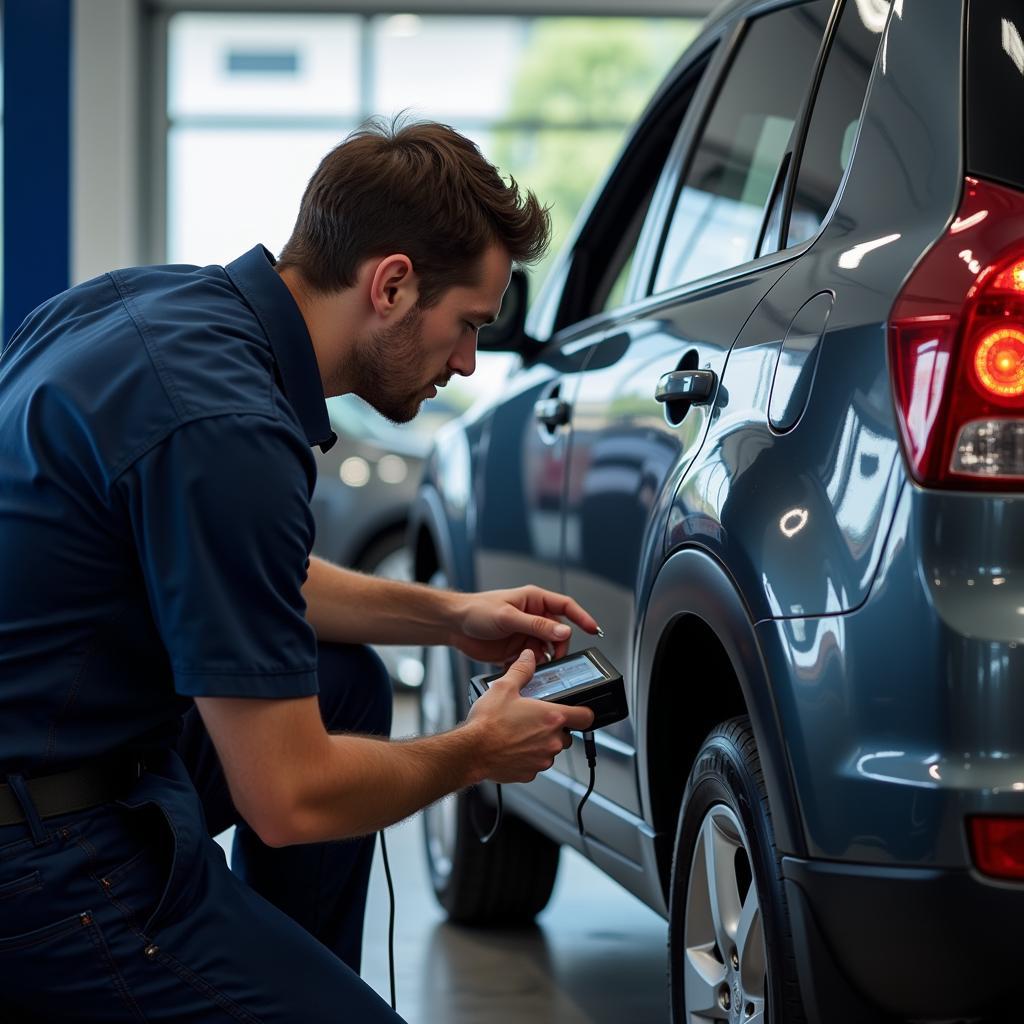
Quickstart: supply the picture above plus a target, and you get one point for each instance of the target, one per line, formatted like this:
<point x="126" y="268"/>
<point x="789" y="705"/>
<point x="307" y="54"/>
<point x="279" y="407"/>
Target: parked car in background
<point x="769" y="429"/>
<point x="365" y="487"/>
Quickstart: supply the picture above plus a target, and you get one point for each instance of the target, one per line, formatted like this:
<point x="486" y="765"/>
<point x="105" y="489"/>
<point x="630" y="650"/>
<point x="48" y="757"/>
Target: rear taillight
<point x="997" y="846"/>
<point x="957" y="348"/>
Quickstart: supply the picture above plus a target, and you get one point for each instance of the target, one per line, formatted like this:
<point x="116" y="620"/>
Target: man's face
<point x="398" y="368"/>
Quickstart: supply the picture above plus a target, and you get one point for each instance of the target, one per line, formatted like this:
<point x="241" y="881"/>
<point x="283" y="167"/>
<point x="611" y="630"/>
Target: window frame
<point x="784" y="183"/>
<point x="578" y="284"/>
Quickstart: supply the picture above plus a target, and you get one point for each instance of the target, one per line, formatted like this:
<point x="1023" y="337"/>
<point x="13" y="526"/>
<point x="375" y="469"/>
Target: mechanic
<point x="173" y="661"/>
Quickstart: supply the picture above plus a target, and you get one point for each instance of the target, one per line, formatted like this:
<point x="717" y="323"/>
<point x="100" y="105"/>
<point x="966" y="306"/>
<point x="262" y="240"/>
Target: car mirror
<point x="508" y="332"/>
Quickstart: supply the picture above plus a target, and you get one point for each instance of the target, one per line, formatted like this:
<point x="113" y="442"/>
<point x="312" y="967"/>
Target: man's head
<point x="402" y="250"/>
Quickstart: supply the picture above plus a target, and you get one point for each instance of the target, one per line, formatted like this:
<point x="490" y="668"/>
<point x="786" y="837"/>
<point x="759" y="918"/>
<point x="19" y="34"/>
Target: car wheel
<point x="730" y="947"/>
<point x="389" y="556"/>
<point x="508" y="880"/>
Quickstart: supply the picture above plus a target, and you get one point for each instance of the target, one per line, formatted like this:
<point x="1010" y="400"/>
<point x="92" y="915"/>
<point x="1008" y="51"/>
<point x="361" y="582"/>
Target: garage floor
<point x="597" y="955"/>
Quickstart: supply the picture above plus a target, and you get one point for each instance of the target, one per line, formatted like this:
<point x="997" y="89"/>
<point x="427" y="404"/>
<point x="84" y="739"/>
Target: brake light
<point x="999" y="363"/>
<point x="997" y="845"/>
<point x="957" y="348"/>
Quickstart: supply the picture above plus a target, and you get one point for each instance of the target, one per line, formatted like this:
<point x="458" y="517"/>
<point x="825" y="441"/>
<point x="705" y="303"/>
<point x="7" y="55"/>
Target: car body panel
<point x="874" y="628"/>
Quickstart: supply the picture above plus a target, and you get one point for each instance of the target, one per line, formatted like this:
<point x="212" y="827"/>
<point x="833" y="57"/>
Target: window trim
<point x="621" y="175"/>
<point x="737" y="36"/>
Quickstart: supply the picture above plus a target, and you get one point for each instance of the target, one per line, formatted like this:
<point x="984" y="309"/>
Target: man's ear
<point x="394" y="287"/>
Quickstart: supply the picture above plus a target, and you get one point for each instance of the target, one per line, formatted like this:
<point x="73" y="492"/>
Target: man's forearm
<point x="349" y="607"/>
<point x="369" y="783"/>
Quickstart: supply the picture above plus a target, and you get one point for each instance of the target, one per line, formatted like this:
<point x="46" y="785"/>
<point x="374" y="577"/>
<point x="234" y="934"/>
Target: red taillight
<point x="999" y="363"/>
<point x="997" y="845"/>
<point x="1011" y="279"/>
<point x="957" y="348"/>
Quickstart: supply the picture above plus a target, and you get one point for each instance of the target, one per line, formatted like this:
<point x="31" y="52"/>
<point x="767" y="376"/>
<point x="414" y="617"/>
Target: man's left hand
<point x="497" y="625"/>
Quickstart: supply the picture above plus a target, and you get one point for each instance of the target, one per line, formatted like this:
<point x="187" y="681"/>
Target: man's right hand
<point x="518" y="736"/>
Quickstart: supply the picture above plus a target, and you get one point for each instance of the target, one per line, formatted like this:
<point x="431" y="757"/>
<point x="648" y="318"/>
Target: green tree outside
<point x="582" y="83"/>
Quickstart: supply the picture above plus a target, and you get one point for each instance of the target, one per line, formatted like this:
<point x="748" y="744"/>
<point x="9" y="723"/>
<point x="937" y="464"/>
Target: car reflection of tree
<point x="365" y="485"/>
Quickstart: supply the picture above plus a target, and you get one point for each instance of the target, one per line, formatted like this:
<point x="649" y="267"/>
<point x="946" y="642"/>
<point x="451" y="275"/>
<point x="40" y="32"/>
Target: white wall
<point x="107" y="150"/>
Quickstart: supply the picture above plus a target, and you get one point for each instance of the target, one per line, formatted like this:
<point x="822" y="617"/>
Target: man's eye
<point x="471" y="326"/>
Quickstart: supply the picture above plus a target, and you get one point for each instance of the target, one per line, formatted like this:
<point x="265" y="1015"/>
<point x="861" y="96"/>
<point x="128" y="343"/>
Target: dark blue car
<point x="769" y="429"/>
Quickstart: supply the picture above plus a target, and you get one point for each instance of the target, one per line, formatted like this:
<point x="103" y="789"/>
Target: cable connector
<point x="590" y="749"/>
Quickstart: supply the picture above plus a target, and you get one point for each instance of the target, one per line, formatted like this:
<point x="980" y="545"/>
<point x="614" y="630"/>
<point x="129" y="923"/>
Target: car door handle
<point x="552" y="412"/>
<point x="693" y="386"/>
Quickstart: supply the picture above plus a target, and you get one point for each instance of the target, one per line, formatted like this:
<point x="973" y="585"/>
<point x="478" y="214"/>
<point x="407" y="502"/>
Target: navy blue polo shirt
<point x="155" y="526"/>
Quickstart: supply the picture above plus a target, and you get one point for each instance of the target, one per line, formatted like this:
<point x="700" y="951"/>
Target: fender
<point x="427" y="513"/>
<point x="691" y="582"/>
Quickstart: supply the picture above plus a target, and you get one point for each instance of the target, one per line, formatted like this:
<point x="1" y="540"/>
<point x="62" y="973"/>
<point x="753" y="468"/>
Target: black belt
<point x="97" y="782"/>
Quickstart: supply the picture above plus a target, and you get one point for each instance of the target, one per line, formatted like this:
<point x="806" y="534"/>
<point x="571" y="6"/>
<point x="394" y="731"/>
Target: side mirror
<point x="508" y="332"/>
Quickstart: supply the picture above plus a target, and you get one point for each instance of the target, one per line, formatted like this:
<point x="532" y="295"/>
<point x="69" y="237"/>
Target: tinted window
<point x="833" y="124"/>
<point x="995" y="90"/>
<point x="603" y="255"/>
<point x="718" y="217"/>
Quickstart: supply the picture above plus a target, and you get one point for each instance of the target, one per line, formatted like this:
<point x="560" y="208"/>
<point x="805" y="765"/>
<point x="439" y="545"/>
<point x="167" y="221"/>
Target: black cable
<point x="484" y="839"/>
<point x="391" y="919"/>
<point x="590" y="748"/>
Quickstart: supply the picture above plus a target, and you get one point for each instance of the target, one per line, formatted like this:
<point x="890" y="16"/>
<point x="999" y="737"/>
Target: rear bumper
<point x="875" y="943"/>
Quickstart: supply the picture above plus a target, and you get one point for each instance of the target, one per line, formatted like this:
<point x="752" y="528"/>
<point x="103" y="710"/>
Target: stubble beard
<point x="386" y="372"/>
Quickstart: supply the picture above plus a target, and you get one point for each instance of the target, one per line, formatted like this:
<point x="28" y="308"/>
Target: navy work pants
<point x="128" y="911"/>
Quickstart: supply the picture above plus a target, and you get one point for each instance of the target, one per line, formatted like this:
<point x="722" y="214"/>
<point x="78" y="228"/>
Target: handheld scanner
<point x="585" y="678"/>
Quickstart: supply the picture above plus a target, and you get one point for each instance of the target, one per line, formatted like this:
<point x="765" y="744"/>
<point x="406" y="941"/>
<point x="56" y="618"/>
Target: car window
<point x="835" y="118"/>
<point x="602" y="259"/>
<point x="995" y="90"/>
<point x="721" y="207"/>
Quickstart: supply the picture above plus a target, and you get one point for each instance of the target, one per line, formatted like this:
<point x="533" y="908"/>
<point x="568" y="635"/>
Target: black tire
<point x="725" y="803"/>
<point x="398" y="659"/>
<point x="509" y="880"/>
<point x="381" y="548"/>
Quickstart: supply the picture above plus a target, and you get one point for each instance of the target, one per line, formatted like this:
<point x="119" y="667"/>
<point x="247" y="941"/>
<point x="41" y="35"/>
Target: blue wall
<point x="36" y="154"/>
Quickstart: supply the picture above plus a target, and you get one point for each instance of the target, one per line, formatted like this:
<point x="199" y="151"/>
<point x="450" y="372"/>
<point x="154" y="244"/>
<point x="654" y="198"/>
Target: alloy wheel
<point x="725" y="969"/>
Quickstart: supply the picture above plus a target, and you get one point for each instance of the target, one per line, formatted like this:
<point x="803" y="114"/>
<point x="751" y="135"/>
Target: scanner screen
<point x="563" y="676"/>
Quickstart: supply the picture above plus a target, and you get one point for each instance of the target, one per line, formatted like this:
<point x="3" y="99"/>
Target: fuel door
<point x="798" y="359"/>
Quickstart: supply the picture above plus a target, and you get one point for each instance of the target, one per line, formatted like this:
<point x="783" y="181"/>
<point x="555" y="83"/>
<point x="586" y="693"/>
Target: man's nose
<point x="463" y="360"/>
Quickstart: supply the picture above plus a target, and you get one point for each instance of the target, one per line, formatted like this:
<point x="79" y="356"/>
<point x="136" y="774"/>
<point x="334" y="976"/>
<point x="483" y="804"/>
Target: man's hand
<point x="496" y="625"/>
<point x="519" y="737"/>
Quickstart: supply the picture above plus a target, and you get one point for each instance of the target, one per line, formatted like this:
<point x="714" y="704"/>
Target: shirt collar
<point x="261" y="286"/>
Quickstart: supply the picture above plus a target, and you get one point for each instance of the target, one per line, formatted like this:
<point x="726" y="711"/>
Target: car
<point x="768" y="427"/>
<point x="366" y="484"/>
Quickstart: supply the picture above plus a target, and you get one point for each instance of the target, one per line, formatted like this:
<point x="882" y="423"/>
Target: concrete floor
<point x="596" y="956"/>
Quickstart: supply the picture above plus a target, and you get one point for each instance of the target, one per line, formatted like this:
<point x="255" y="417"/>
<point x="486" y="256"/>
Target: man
<point x="155" y="477"/>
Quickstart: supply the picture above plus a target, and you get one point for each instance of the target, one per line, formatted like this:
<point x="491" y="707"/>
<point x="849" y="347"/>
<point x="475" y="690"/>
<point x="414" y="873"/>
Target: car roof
<point x="730" y="10"/>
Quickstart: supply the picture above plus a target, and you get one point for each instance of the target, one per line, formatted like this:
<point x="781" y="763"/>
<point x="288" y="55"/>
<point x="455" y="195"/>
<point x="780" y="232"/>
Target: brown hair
<point x="413" y="187"/>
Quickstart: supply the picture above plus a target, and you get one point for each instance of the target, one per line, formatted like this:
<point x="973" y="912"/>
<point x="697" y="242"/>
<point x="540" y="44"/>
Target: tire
<point x="509" y="880"/>
<point x="389" y="556"/>
<point x="730" y="946"/>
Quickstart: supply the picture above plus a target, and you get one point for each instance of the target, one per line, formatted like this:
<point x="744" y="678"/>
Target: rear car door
<point x="704" y="277"/>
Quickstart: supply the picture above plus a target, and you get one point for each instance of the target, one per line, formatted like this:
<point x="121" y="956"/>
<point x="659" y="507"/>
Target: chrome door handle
<point x="552" y="412"/>
<point x="693" y="386"/>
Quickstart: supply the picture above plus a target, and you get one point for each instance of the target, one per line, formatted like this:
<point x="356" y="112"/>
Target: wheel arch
<point x="696" y="622"/>
<point x="430" y="539"/>
<point x="397" y="523"/>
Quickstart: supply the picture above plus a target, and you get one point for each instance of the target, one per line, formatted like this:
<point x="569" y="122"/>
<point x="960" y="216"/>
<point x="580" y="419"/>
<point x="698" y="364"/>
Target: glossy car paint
<point x="875" y="628"/>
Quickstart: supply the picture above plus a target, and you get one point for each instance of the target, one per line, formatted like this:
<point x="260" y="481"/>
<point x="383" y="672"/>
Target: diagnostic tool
<point x="584" y="678"/>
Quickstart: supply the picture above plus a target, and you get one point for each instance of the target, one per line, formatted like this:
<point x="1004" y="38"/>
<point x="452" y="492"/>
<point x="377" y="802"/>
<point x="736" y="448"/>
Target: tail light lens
<point x="997" y="845"/>
<point x="957" y="348"/>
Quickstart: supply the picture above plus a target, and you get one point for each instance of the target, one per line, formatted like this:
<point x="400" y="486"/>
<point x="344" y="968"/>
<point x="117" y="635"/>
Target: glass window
<point x="230" y="65"/>
<point x="834" y="121"/>
<point x="995" y="90"/>
<point x="256" y="100"/>
<point x="721" y="207"/>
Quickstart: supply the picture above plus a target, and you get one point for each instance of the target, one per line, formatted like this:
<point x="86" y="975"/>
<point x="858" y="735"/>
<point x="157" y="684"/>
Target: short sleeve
<point x="220" y="514"/>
